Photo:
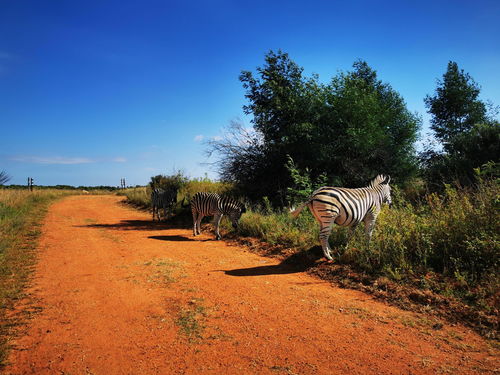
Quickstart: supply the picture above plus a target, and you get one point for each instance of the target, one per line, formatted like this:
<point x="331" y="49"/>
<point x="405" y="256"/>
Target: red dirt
<point x="121" y="295"/>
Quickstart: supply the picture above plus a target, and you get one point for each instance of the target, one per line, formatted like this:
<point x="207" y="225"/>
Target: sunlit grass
<point x="448" y="244"/>
<point x="21" y="214"/>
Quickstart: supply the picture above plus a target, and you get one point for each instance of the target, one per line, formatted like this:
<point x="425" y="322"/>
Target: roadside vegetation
<point x="21" y="215"/>
<point x="443" y="246"/>
<point x="141" y="196"/>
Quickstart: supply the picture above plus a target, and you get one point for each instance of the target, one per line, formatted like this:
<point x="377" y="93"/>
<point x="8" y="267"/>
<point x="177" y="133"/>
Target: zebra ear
<point x="386" y="181"/>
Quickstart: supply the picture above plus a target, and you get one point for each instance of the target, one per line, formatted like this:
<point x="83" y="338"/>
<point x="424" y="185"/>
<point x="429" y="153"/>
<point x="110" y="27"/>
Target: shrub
<point x="141" y="196"/>
<point x="456" y="234"/>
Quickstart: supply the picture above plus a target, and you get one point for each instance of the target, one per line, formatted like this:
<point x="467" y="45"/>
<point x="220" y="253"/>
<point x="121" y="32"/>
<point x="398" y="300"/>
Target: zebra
<point x="347" y="208"/>
<point x="165" y="199"/>
<point x="211" y="204"/>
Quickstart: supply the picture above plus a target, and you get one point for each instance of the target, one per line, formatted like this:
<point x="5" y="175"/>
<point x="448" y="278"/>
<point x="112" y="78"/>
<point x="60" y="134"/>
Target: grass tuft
<point x="191" y="320"/>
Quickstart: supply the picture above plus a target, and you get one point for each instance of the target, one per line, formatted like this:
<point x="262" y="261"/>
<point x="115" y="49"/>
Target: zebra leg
<point x="326" y="223"/>
<point x="324" y="234"/>
<point x="198" y="222"/>
<point x="153" y="213"/>
<point x="217" y="219"/>
<point x="369" y="225"/>
<point x="194" y="223"/>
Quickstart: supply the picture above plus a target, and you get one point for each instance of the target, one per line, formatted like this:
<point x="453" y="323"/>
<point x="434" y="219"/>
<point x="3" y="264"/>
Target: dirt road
<point x="121" y="295"/>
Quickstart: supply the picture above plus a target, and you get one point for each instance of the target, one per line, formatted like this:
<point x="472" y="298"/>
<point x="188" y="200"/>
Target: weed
<point x="165" y="271"/>
<point x="191" y="320"/>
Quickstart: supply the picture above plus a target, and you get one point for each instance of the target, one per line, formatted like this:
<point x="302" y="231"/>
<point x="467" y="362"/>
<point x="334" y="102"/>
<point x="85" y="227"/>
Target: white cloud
<point x="217" y="138"/>
<point x="51" y="160"/>
<point x="199" y="138"/>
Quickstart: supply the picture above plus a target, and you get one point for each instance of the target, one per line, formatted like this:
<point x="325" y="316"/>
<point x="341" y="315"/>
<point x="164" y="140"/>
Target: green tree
<point x="467" y="151"/>
<point x="455" y="106"/>
<point x="175" y="181"/>
<point x="344" y="132"/>
<point x="367" y="129"/>
<point x="460" y="121"/>
<point x="285" y="107"/>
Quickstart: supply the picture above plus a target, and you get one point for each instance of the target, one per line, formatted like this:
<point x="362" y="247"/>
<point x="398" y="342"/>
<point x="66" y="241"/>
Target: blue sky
<point x="93" y="91"/>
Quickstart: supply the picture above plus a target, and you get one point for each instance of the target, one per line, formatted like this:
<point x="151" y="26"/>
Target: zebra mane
<point x="380" y="179"/>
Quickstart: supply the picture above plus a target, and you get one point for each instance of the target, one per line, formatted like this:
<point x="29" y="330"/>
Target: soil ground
<point x="119" y="294"/>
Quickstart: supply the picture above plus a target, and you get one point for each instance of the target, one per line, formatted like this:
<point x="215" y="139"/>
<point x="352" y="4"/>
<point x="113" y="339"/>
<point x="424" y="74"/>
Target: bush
<point x="141" y="196"/>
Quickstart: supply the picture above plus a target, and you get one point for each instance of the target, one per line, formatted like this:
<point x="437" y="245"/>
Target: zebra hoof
<point x="217" y="238"/>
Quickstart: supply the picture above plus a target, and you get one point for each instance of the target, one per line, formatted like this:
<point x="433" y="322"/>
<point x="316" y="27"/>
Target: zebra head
<point x="235" y="213"/>
<point x="381" y="183"/>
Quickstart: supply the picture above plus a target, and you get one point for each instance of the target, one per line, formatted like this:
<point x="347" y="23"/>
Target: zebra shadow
<point x="295" y="263"/>
<point x="171" y="238"/>
<point x="139" y="225"/>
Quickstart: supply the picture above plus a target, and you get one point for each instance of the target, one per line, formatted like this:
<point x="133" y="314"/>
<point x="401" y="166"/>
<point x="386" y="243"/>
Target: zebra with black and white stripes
<point x="347" y="207"/>
<point x="212" y="204"/>
<point x="165" y="199"/>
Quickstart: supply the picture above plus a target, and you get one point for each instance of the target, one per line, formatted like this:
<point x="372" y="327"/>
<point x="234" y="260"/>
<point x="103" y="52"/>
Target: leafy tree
<point x="175" y="181"/>
<point x="468" y="151"/>
<point x="455" y="107"/>
<point x="344" y="132"/>
<point x="285" y="107"/>
<point x="460" y="121"/>
<point x="367" y="129"/>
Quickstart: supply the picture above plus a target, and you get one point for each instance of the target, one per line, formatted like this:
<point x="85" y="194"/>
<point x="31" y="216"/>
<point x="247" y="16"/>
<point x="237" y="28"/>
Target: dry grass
<point x="21" y="214"/>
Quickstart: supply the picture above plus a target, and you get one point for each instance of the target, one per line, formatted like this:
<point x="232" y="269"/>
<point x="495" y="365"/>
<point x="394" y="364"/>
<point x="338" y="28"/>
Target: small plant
<point x="303" y="184"/>
<point x="191" y="320"/>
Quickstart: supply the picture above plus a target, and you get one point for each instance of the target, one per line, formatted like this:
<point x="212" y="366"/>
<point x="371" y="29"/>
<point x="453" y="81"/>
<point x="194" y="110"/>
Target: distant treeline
<point x="65" y="187"/>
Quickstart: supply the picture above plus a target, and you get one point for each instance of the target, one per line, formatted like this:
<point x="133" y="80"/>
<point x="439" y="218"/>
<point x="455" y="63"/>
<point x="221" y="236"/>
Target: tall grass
<point x="455" y="236"/>
<point x="21" y="213"/>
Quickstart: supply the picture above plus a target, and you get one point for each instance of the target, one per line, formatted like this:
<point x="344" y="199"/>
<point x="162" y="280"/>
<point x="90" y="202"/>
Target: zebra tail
<point x="296" y="212"/>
